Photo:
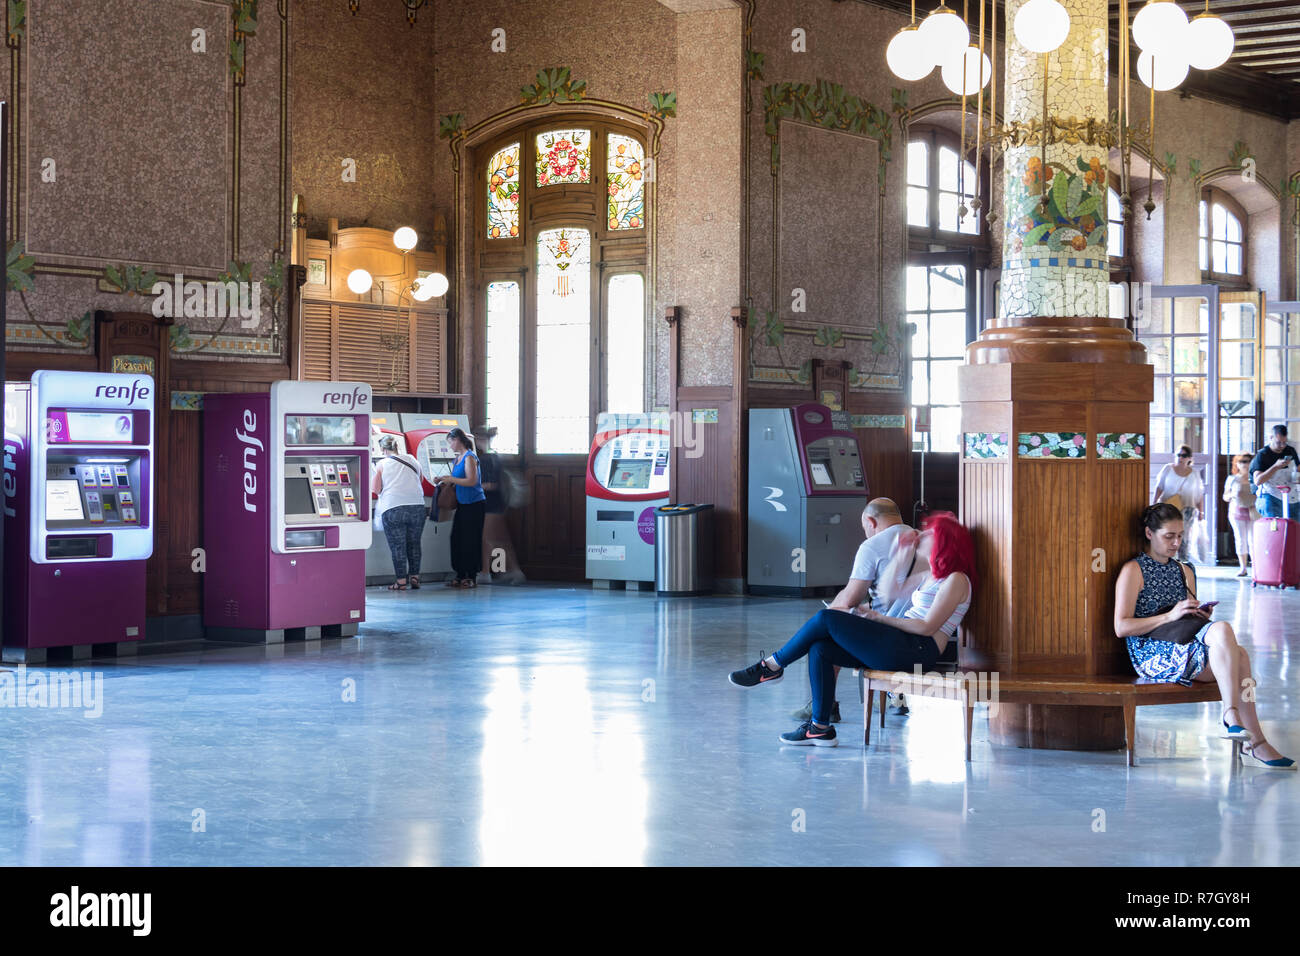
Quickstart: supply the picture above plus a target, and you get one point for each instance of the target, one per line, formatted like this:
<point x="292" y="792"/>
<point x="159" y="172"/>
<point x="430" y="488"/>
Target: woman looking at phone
<point x="1155" y="589"/>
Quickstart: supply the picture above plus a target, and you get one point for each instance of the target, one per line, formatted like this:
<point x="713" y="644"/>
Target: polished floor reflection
<point x="551" y="725"/>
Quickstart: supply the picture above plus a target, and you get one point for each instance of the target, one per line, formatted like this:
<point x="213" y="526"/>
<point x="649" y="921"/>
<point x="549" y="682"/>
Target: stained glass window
<point x="503" y="193"/>
<point x="625" y="171"/>
<point x="564" y="156"/>
<point x="563" y="341"/>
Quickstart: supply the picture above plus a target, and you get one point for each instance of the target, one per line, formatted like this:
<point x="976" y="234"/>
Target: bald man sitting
<point x="881" y="522"/>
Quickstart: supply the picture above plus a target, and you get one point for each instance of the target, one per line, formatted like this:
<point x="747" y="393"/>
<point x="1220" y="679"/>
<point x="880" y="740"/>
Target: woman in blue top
<point x="467" y="524"/>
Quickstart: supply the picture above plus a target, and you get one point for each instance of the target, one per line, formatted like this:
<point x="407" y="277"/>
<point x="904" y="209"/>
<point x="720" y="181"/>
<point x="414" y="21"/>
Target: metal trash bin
<point x="684" y="550"/>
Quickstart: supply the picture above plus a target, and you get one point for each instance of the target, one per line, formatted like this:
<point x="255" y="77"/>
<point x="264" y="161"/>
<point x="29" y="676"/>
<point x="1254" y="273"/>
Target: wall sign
<point x="133" y="364"/>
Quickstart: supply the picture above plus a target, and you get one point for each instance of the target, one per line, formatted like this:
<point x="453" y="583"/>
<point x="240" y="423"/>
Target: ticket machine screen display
<point x="63" y="500"/>
<point x="436" y="456"/>
<point x="834" y="463"/>
<point x="97" y="428"/>
<point x="320" y="430"/>
<point x="629" y="474"/>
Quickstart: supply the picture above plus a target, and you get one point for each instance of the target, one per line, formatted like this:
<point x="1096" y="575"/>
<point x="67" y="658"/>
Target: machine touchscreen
<point x="298" y="498"/>
<point x="629" y="474"/>
<point x="63" y="500"/>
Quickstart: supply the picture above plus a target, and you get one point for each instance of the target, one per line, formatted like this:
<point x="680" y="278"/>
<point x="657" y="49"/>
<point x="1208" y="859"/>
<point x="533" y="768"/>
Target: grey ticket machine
<point x="807" y="490"/>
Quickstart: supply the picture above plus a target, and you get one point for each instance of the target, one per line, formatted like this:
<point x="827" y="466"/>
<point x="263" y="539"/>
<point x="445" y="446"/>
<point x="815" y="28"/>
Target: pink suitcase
<point x="1275" y="550"/>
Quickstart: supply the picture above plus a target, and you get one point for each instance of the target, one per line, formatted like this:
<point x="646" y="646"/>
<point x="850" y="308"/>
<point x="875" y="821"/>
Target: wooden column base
<point x="1057" y="727"/>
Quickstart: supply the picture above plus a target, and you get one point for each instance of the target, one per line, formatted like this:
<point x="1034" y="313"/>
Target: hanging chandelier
<point x="1169" y="44"/>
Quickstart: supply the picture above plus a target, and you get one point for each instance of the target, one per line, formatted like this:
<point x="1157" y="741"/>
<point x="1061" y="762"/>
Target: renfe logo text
<point x="357" y="397"/>
<point x="254" y="445"/>
<point x="102" y="909"/>
<point x="136" y="390"/>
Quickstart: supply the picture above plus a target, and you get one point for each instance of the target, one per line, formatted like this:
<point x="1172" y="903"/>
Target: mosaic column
<point x="1054" y="259"/>
<point x="1055" y="408"/>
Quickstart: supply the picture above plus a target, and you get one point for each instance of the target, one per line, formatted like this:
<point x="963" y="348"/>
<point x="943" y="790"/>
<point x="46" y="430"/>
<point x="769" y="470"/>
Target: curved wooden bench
<point x="946" y="681"/>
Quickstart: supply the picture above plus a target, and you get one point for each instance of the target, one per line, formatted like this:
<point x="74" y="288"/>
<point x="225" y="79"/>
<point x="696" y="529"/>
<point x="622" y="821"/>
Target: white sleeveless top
<point x="923" y="600"/>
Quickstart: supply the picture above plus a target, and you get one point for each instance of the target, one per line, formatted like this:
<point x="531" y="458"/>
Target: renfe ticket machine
<point x="286" y="511"/>
<point x="806" y="494"/>
<point x="627" y="479"/>
<point x="78" y="505"/>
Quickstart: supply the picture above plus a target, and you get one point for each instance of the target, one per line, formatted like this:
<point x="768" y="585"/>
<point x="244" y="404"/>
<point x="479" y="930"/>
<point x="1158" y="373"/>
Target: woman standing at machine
<point x="401" y="506"/>
<point x="467" y="525"/>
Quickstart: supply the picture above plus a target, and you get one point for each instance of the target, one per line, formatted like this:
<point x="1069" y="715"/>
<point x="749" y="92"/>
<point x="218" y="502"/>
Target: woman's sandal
<point x="452" y="583"/>
<point x="1277" y="763"/>
<point x="395" y="586"/>
<point x="1235" y="731"/>
<point x="469" y="584"/>
<point x="414" y="582"/>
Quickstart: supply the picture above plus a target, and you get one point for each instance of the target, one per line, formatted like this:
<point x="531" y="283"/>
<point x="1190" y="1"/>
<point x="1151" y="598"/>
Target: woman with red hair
<point x="867" y="638"/>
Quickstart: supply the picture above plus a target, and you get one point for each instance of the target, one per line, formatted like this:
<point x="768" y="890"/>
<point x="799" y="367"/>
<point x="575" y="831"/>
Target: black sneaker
<point x="809" y="736"/>
<point x="756" y="674"/>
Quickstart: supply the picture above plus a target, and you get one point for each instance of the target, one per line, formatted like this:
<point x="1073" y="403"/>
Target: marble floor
<point x="555" y="725"/>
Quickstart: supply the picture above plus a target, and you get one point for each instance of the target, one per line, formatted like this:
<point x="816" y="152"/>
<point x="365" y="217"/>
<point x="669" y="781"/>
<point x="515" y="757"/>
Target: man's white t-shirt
<point x="872" y="558"/>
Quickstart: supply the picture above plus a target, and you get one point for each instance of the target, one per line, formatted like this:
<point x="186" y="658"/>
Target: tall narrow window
<point x="563" y="341"/>
<point x="1114" y="225"/>
<point x="503" y="193"/>
<point x="563" y="156"/>
<point x="626" y="349"/>
<point x="936" y="305"/>
<point x="918" y="183"/>
<point x="1223" y="243"/>
<point x="954" y="191"/>
<point x="502" y="361"/>
<point x="625" y="170"/>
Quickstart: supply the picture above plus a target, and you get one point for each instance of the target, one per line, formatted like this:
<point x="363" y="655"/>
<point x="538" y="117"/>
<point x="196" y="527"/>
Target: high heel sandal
<point x="1277" y="763"/>
<point x="1235" y="731"/>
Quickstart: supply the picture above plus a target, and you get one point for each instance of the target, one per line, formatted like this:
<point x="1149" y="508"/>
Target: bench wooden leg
<point x="866" y="716"/>
<point x="1130" y="730"/>
<point x="861" y="696"/>
<point x="968" y="718"/>
<point x="884" y="705"/>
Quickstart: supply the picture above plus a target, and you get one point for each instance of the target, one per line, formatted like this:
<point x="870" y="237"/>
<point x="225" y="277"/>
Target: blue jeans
<point x="1269" y="506"/>
<point x="838" y="639"/>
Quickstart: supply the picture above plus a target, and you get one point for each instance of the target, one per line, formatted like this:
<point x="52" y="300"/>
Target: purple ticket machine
<point x="78" y="511"/>
<point x="286" y="511"/>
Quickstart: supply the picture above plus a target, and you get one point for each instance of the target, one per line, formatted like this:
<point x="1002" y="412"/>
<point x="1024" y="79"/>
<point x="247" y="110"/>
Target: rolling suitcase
<point x="1275" y="549"/>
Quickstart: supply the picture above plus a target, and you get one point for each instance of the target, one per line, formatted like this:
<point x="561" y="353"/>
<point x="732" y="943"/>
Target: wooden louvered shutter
<point x="430" y="351"/>
<point x="317" y="341"/>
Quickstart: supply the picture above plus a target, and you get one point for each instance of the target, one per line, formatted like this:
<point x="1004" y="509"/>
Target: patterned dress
<point x="1164" y="661"/>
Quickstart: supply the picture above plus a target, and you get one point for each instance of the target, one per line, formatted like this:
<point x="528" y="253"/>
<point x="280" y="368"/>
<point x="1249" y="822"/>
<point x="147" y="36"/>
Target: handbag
<point x="1183" y="630"/>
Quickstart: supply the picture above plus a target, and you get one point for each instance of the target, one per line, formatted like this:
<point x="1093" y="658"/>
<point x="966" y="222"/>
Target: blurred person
<point x="496" y="533"/>
<point x="1273" y="473"/>
<point x="1241" y="508"/>
<point x="1179" y="484"/>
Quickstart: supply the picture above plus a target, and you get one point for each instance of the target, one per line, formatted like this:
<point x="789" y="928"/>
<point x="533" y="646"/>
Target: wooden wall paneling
<point x="985" y="637"/>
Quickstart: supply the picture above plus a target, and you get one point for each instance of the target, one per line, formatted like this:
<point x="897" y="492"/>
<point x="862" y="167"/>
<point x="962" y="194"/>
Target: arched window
<point x="937" y="183"/>
<point x="1223" y="238"/>
<point x="1115" y="246"/>
<point x="561" y="253"/>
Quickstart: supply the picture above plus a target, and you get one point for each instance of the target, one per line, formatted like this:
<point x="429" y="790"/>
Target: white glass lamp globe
<point x="965" y="73"/>
<point x="431" y="286"/>
<point x="1170" y="70"/>
<point x="1041" y="25"/>
<point x="1160" y="27"/>
<point x="405" y="238"/>
<point x="359" y="281"/>
<point x="420" y="290"/>
<point x="1209" y="41"/>
<point x="944" y="34"/>
<point x="906" y="55"/>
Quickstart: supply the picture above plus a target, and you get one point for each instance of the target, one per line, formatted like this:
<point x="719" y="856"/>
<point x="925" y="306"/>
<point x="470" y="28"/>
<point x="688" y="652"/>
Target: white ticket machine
<point x="627" y="479"/>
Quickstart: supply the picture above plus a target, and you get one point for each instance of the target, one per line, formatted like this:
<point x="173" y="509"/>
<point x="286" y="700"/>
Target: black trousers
<point x="467" y="540"/>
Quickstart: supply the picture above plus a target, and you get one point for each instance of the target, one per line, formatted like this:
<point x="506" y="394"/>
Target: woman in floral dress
<point x="1156" y="580"/>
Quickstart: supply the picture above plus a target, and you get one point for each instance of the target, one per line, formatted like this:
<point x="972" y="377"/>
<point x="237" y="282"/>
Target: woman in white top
<point x="1241" y="508"/>
<point x="401" y="507"/>
<point x="867" y="638"/>
<point x="1179" y="483"/>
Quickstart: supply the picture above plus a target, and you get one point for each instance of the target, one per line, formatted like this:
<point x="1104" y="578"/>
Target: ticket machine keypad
<point x="80" y="493"/>
<point x="834" y="463"/>
<point x="318" y="487"/>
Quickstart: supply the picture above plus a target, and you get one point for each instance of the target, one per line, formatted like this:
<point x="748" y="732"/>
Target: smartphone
<point x="1207" y="605"/>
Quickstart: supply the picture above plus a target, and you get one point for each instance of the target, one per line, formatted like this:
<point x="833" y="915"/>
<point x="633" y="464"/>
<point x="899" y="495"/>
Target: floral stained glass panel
<point x="625" y="171"/>
<point x="563" y="361"/>
<point x="1052" y="445"/>
<point x="564" y="156"/>
<point x="503" y="193"/>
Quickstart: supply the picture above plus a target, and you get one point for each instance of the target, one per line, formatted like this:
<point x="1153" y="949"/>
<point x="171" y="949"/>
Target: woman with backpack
<point x="402" y="510"/>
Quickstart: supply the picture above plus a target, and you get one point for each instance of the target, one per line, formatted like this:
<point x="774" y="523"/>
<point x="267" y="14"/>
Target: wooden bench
<point x="946" y="681"/>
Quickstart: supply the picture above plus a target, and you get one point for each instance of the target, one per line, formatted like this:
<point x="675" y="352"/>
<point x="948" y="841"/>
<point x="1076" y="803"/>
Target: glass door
<point x="1175" y="327"/>
<point x="1240" y="378"/>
